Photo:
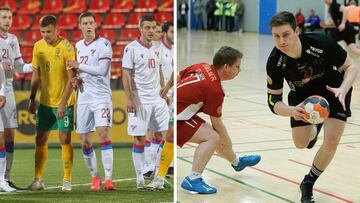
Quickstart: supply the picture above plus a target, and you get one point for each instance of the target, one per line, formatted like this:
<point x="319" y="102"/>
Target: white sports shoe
<point x="36" y="184"/>
<point x="4" y="186"/>
<point x="156" y="183"/>
<point x="66" y="185"/>
<point x="140" y="184"/>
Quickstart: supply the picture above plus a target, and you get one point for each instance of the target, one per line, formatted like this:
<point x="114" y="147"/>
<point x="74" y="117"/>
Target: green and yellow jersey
<point x="51" y="61"/>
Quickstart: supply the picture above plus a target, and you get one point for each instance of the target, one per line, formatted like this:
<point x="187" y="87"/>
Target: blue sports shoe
<point x="197" y="186"/>
<point x="245" y="161"/>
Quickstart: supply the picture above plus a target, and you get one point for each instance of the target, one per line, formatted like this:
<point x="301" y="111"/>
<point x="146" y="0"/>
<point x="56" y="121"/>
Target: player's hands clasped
<point x="76" y="82"/>
<point x="6" y="66"/>
<point x="299" y="112"/>
<point x="73" y="64"/>
<point x="2" y="101"/>
<point x="339" y="93"/>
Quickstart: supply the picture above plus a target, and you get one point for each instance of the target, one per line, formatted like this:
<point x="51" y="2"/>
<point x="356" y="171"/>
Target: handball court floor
<point x="255" y="130"/>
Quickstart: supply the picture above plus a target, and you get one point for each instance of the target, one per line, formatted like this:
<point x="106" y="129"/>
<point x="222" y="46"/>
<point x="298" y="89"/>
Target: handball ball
<point x="317" y="109"/>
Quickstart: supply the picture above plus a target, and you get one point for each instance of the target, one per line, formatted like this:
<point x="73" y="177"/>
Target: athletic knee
<point x="301" y="144"/>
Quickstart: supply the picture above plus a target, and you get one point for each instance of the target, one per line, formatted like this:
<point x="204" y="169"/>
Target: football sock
<point x="2" y="163"/>
<point x="107" y="158"/>
<point x="90" y="160"/>
<point x="41" y="155"/>
<point x="138" y="160"/>
<point x="9" y="148"/>
<point x="167" y="156"/>
<point x="67" y="159"/>
<point x="147" y="154"/>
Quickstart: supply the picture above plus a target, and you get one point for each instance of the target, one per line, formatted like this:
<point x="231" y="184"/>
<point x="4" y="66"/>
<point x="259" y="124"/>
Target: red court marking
<point x="296" y="183"/>
<point x="298" y="162"/>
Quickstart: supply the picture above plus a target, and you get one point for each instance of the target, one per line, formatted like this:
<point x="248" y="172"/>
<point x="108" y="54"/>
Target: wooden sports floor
<point x="255" y="130"/>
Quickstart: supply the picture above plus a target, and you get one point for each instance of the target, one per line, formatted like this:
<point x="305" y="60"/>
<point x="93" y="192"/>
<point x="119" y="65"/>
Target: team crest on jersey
<point x="106" y="43"/>
<point x="157" y="53"/>
<point x="126" y="50"/>
<point x="92" y="52"/>
<point x="12" y="45"/>
<point x="133" y="127"/>
<point x="142" y="55"/>
<point x="57" y="52"/>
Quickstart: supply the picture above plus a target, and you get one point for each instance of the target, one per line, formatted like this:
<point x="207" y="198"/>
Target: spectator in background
<point x="229" y="11"/>
<point x="198" y="8"/>
<point x="300" y="20"/>
<point x="183" y="10"/>
<point x="239" y="12"/>
<point x="210" y="9"/>
<point x="313" y="22"/>
<point x="219" y="13"/>
<point x="353" y="14"/>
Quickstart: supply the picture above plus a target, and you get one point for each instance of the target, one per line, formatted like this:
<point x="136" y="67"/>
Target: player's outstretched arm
<point x="351" y="71"/>
<point x="131" y="103"/>
<point x="33" y="89"/>
<point x="67" y="92"/>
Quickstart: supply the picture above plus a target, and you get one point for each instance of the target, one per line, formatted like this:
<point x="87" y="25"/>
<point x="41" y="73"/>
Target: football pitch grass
<point x="123" y="175"/>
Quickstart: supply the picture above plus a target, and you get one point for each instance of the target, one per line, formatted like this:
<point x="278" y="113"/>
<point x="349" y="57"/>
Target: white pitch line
<point x="56" y="187"/>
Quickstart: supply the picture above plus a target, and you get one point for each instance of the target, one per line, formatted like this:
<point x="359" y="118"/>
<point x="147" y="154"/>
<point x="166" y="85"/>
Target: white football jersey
<point x="10" y="51"/>
<point x="144" y="63"/>
<point x="167" y="63"/>
<point x="96" y="88"/>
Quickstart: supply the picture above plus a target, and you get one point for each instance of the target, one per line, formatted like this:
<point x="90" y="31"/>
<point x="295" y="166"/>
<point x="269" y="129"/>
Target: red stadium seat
<point x="29" y="7"/>
<point x="128" y="35"/>
<point x="133" y="20"/>
<point x="99" y="6"/>
<point x="115" y="70"/>
<point x="75" y="6"/>
<point x="9" y="3"/>
<point x="166" y="5"/>
<point x="21" y="22"/>
<point x="26" y="52"/>
<point x="36" y="22"/>
<point x="108" y="34"/>
<point x="118" y="52"/>
<point x="76" y="36"/>
<point x="17" y="34"/>
<point x="98" y="19"/>
<point x="122" y="6"/>
<point x="31" y="37"/>
<point x="164" y="16"/>
<point x="63" y="34"/>
<point x="67" y="21"/>
<point x="146" y="6"/>
<point x="52" y="6"/>
<point x="114" y="20"/>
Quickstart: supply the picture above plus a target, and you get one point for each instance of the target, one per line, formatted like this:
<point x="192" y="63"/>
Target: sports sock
<point x="155" y="143"/>
<point x="138" y="160"/>
<point x="9" y="148"/>
<point x="236" y="161"/>
<point x="167" y="156"/>
<point x="2" y="163"/>
<point x="147" y="154"/>
<point x="194" y="175"/>
<point x="313" y="175"/>
<point x="90" y="160"/>
<point x="107" y="158"/>
<point x="67" y="159"/>
<point x="41" y="155"/>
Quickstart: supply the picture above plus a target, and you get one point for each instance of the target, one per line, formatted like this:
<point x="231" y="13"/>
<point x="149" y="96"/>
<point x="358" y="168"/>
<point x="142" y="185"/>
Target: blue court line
<point x="242" y="182"/>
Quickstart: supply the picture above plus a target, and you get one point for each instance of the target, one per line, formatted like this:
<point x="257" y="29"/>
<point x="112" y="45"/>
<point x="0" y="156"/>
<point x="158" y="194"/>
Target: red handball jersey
<point x="199" y="90"/>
